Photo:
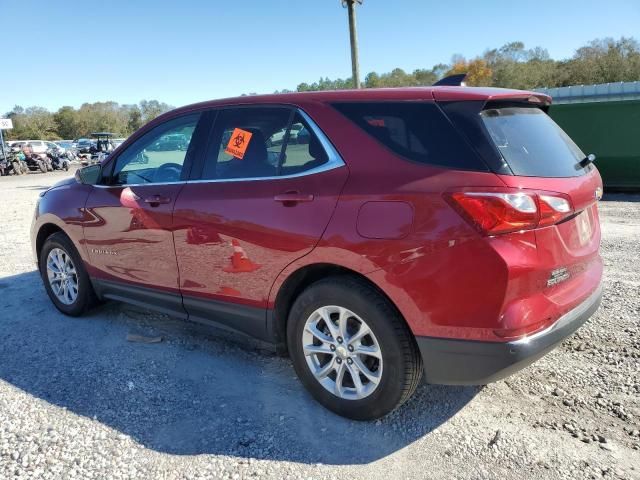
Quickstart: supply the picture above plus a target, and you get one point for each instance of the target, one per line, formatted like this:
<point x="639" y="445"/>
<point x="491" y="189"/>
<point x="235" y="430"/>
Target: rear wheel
<point x="351" y="349"/>
<point x="64" y="276"/>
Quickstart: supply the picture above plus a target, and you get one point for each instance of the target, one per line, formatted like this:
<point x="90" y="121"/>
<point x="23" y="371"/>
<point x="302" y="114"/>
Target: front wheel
<point x="42" y="166"/>
<point x="351" y="348"/>
<point x="64" y="276"/>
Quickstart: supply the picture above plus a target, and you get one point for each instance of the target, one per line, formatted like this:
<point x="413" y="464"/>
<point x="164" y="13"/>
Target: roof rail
<point x="456" y="80"/>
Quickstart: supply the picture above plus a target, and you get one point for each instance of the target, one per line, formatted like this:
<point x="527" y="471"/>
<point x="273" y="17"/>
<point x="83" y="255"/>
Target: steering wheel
<point x="168" y="172"/>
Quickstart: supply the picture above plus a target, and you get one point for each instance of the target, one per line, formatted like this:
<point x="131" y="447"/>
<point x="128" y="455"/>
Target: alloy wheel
<point x="342" y="352"/>
<point x="62" y="275"/>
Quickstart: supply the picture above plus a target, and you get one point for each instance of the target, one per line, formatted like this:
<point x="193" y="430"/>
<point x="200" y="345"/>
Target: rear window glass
<point x="417" y="131"/>
<point x="531" y="143"/>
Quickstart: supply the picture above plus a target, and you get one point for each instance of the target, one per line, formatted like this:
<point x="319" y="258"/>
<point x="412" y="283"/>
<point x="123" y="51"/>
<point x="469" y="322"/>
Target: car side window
<point x="260" y="142"/>
<point x="159" y="155"/>
<point x="303" y="150"/>
<point x="247" y="143"/>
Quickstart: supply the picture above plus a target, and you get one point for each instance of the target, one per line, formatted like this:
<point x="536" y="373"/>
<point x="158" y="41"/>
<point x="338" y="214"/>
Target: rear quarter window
<point x="417" y="131"/>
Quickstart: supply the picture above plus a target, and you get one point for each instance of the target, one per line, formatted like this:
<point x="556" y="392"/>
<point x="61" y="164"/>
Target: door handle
<point x="155" y="200"/>
<point x="292" y="198"/>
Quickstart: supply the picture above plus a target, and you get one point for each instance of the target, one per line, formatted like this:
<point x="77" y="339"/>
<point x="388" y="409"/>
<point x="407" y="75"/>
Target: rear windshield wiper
<point x="588" y="160"/>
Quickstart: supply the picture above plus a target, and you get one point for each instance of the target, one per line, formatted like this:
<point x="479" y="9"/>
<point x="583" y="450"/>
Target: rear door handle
<point x="291" y="198"/>
<point x="155" y="200"/>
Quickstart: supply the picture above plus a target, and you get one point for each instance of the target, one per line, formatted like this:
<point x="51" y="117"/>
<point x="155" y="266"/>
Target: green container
<point x="611" y="131"/>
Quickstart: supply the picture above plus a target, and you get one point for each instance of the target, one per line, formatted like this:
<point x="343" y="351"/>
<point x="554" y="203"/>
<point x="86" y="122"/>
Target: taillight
<point x="553" y="209"/>
<point x="494" y="213"/>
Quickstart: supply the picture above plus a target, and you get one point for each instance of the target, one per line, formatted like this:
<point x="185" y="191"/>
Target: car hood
<point x="61" y="183"/>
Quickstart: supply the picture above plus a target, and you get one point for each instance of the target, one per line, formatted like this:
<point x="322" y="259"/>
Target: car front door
<point x="128" y="232"/>
<point x="258" y="205"/>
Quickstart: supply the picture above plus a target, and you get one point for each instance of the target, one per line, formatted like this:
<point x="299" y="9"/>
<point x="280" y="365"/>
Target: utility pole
<point x="353" y="34"/>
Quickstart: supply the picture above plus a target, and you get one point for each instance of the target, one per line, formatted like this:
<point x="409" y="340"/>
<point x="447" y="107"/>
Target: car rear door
<point x="256" y="205"/>
<point x="128" y="232"/>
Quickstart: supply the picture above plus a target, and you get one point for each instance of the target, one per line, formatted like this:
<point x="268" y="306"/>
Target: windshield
<point x="532" y="144"/>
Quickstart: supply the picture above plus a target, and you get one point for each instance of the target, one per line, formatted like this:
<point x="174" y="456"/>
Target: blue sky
<point x="193" y="50"/>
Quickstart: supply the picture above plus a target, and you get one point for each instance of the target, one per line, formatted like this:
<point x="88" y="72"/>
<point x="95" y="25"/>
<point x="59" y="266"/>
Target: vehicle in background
<point x="278" y="137"/>
<point x="84" y="145"/>
<point x="170" y="142"/>
<point x="54" y="146"/>
<point x="65" y="144"/>
<point x="100" y="149"/>
<point x="38" y="146"/>
<point x="13" y="163"/>
<point x="58" y="158"/>
<point x="447" y="231"/>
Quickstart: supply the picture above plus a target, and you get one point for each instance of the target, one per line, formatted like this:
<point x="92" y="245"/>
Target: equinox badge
<point x="558" y="275"/>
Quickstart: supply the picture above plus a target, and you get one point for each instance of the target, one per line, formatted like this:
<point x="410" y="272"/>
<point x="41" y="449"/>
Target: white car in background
<point x="54" y="146"/>
<point x="38" y="146"/>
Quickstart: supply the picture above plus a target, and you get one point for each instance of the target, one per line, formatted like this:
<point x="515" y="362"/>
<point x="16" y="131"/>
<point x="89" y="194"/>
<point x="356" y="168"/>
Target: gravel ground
<point x="77" y="400"/>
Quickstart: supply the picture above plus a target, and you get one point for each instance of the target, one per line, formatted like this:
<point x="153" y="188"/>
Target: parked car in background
<point x="278" y="137"/>
<point x="38" y="146"/>
<point x="54" y="146"/>
<point x="449" y="231"/>
<point x="66" y="145"/>
<point x="84" y="145"/>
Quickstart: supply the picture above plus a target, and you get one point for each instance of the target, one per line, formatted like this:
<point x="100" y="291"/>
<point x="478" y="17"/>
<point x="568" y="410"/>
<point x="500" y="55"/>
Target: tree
<point x="135" y="119"/>
<point x="514" y="66"/>
<point x="478" y="72"/>
<point x="152" y="108"/>
<point x="65" y="120"/>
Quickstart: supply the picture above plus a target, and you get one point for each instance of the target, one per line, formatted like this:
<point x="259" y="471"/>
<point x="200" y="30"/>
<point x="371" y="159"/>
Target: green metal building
<point x="603" y="120"/>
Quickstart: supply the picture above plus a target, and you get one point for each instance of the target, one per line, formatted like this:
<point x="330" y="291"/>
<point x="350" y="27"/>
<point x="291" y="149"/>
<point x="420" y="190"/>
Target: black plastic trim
<point x="163" y="302"/>
<point x="253" y="321"/>
<point x="245" y="319"/>
<point x="465" y="362"/>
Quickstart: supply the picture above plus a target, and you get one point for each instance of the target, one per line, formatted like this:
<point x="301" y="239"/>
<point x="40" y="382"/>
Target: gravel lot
<point x="77" y="400"/>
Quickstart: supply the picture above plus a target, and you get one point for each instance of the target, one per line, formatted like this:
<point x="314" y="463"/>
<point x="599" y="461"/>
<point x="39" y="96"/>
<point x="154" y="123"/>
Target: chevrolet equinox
<point x="446" y="231"/>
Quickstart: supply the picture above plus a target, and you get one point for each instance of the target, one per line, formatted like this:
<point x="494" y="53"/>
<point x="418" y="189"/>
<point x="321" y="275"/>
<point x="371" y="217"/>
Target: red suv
<point x="447" y="230"/>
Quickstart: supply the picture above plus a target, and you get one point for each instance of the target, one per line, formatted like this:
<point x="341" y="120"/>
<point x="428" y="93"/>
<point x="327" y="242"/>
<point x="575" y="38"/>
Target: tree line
<point x="515" y="66"/>
<point x="510" y="66"/>
<point x="72" y="123"/>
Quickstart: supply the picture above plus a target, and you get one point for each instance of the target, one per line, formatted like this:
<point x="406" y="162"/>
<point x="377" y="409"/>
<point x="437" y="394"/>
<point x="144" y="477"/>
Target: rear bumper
<point x="468" y="362"/>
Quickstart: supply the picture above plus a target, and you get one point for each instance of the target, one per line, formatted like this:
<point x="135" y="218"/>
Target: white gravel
<point x="79" y="401"/>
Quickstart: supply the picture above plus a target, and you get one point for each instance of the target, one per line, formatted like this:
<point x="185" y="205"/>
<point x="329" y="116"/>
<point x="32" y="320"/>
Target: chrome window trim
<point x="125" y="185"/>
<point x="334" y="161"/>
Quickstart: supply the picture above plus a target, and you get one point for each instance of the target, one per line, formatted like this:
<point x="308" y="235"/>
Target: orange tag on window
<point x="238" y="143"/>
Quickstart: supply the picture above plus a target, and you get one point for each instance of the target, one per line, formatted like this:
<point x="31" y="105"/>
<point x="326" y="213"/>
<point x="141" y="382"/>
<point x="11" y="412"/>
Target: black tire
<point x="402" y="364"/>
<point x="86" y="296"/>
<point x="42" y="166"/>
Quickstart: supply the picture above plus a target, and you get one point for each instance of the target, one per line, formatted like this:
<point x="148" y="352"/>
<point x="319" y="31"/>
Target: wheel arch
<point x="298" y="281"/>
<point x="44" y="232"/>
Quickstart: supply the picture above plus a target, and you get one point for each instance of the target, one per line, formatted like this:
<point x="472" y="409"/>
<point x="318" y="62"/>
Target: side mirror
<point x="90" y="175"/>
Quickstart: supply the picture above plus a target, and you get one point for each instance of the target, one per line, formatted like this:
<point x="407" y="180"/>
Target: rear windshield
<point x="531" y="143"/>
<point x="417" y="131"/>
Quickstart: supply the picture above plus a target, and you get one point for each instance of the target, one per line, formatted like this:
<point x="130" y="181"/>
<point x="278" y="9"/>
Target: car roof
<point x="444" y="93"/>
